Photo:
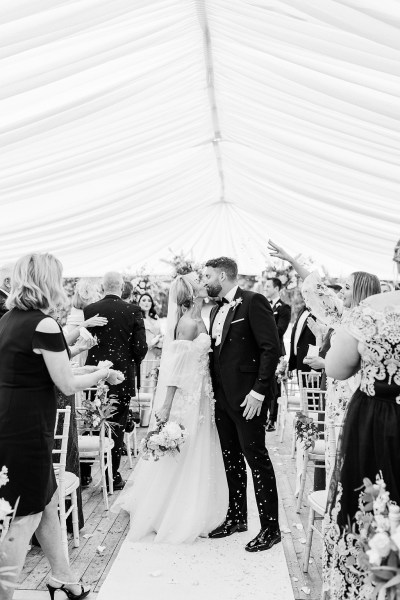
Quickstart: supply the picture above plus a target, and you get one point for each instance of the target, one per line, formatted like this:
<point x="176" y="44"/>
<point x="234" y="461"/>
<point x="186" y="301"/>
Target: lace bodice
<point x="378" y="333"/>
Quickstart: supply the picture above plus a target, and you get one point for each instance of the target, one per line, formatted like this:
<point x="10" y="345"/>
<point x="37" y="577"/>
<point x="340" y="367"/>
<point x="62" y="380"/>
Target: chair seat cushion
<point x="71" y="482"/>
<point x="318" y="501"/>
<point x="90" y="443"/>
<point x="319" y="448"/>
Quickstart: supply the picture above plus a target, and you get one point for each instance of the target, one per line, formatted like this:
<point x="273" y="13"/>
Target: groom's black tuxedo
<point x="246" y="360"/>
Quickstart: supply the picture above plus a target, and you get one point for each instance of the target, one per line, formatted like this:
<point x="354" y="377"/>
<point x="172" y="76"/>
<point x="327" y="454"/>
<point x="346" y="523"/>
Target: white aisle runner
<point x="206" y="570"/>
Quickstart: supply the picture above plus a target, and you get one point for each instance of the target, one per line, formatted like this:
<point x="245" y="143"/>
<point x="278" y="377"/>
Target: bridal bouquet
<point x="378" y="521"/>
<point x="166" y="439"/>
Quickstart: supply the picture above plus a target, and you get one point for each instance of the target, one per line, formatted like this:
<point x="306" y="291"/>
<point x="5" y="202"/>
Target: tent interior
<point x="133" y="130"/>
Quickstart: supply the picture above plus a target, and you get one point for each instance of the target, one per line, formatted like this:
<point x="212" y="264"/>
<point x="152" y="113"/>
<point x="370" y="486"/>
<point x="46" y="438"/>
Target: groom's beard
<point x="214" y="289"/>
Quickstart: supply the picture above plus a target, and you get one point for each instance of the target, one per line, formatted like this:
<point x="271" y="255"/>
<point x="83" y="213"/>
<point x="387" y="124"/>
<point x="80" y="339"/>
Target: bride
<point x="181" y="498"/>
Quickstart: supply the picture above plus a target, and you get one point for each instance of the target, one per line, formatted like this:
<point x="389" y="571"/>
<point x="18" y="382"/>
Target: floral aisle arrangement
<point x="166" y="439"/>
<point x="306" y="430"/>
<point x="6" y="515"/>
<point x="6" y="509"/>
<point x="98" y="410"/>
<point x="378" y="525"/>
<point x="281" y="372"/>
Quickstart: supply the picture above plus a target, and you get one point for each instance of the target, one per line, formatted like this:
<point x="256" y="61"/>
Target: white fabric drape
<point x="107" y="154"/>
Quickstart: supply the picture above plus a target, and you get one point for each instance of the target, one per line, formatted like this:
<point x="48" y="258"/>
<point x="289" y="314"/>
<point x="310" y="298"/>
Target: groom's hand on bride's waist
<point x="252" y="407"/>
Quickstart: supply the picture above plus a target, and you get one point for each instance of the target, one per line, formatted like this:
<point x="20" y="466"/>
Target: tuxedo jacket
<point x="3" y="298"/>
<point x="282" y="313"/>
<point x="122" y="340"/>
<point x="305" y="339"/>
<point x="249" y="351"/>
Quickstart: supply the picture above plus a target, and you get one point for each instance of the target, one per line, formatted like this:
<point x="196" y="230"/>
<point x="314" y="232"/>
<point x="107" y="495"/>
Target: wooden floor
<point x="105" y="529"/>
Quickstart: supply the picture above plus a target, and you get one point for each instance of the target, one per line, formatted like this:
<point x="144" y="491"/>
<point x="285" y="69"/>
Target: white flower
<point x="3" y="476"/>
<point x="396" y="537"/>
<point x="373" y="557"/>
<point x="234" y="303"/>
<point x="382" y="523"/>
<point x="173" y="431"/>
<point x="5" y="508"/>
<point x="97" y="402"/>
<point x="380" y="543"/>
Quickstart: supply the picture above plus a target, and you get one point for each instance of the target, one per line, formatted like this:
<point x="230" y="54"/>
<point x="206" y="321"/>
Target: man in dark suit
<point x="282" y="313"/>
<point x="246" y="351"/>
<point x="123" y="342"/>
<point x="5" y="287"/>
<point x="301" y="338"/>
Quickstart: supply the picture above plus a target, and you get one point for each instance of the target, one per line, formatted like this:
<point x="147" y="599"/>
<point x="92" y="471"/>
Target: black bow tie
<point x="221" y="301"/>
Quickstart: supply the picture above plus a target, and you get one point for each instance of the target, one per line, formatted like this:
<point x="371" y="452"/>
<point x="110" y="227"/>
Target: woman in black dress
<point x="370" y="442"/>
<point x="33" y="358"/>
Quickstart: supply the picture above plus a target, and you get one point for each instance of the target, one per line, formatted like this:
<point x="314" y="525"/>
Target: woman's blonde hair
<point x="36" y="283"/>
<point x="86" y="292"/>
<point x="184" y="292"/>
<point x="364" y="285"/>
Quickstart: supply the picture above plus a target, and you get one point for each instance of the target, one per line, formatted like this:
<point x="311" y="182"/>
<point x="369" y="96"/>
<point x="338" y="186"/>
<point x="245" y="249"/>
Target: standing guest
<point x="152" y="325"/>
<point x="331" y="309"/>
<point x="127" y="292"/>
<point x="370" y="441"/>
<point x="301" y="338"/>
<point x="5" y="286"/>
<point x="282" y="314"/>
<point x="123" y="341"/>
<point x="35" y="358"/>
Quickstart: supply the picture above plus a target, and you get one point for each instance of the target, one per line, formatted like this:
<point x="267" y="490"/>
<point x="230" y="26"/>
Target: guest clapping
<point x="33" y="358"/>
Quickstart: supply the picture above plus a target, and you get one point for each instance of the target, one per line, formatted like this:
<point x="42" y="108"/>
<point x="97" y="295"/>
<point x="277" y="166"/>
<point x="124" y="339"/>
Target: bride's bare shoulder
<point x="186" y="329"/>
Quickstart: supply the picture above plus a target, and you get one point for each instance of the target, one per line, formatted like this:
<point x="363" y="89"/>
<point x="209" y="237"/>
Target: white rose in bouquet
<point x="173" y="430"/>
<point x="380" y="543"/>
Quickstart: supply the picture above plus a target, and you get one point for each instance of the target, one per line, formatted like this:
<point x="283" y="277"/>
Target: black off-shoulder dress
<point x="28" y="409"/>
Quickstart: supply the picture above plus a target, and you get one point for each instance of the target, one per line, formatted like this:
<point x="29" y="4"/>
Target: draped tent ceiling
<point x="129" y="128"/>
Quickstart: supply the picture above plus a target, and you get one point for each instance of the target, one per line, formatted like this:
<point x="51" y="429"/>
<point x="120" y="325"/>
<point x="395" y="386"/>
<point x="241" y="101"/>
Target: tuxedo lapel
<point x="229" y="318"/>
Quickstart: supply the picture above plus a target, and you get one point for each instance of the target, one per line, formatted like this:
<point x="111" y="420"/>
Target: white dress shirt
<point x="299" y="327"/>
<point x="218" y="327"/>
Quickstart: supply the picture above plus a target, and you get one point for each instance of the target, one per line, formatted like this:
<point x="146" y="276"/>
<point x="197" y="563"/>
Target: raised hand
<point x="115" y="377"/>
<point x="278" y="252"/>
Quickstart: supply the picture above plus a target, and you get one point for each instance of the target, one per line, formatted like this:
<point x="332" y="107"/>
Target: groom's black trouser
<point x="242" y="439"/>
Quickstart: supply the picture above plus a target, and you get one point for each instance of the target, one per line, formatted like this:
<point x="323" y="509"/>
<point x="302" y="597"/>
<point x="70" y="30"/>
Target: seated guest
<point x="34" y="357"/>
<point x="5" y="285"/>
<point x="282" y="313"/>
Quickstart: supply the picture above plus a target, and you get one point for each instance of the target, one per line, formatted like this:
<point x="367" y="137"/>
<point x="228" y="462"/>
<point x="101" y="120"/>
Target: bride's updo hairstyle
<point x="184" y="292"/>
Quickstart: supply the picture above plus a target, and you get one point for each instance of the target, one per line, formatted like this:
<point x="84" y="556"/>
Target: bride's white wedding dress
<point x="186" y="496"/>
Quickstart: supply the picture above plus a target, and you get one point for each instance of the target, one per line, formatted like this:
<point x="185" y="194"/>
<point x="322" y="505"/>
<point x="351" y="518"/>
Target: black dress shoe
<point x="86" y="480"/>
<point x="228" y="527"/>
<point x="270" y="426"/>
<point x="265" y="539"/>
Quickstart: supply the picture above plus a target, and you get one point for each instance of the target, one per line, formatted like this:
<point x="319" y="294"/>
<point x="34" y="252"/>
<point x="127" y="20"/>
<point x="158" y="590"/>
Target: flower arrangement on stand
<point x="281" y="372"/>
<point x="166" y="439"/>
<point x="306" y="430"/>
<point x="97" y="411"/>
<point x="6" y="515"/>
<point x="378" y="525"/>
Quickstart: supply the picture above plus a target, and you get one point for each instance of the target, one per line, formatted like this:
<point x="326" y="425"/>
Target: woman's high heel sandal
<point x="67" y="592"/>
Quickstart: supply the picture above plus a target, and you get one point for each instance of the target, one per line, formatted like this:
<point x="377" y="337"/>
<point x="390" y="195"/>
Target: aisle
<point x="207" y="570"/>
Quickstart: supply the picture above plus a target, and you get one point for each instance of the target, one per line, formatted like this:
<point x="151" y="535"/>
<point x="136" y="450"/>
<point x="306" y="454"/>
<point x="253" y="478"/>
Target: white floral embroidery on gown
<point x="186" y="496"/>
<point x="328" y="308"/>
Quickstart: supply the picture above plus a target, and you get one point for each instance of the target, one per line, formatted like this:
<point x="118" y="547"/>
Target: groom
<point x="246" y="351"/>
